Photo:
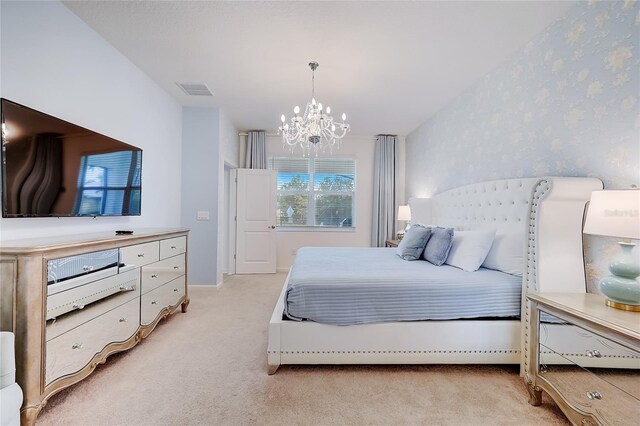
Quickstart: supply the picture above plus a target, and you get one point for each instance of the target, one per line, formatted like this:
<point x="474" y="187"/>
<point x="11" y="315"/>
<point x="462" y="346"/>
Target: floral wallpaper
<point x="566" y="104"/>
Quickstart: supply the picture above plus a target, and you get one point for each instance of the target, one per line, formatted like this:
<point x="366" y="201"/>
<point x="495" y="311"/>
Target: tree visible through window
<point x="315" y="191"/>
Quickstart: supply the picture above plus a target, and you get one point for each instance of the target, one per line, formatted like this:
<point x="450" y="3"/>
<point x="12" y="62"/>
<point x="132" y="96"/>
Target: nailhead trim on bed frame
<point x="530" y="282"/>
<point x="396" y="352"/>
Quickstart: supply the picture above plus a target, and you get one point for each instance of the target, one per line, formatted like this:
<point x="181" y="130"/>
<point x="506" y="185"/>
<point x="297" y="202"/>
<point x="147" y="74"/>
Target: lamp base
<point x="623" y="306"/>
<point x="622" y="289"/>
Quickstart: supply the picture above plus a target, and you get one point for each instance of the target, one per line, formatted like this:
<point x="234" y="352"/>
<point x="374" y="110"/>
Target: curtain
<point x="256" y="150"/>
<point x="384" y="189"/>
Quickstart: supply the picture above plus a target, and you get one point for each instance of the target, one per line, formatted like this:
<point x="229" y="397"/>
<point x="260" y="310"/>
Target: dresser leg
<point x="185" y="304"/>
<point x="28" y="416"/>
<point x="535" y="394"/>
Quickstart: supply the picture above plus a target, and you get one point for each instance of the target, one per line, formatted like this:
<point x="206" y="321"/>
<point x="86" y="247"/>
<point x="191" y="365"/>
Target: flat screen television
<point x="53" y="168"/>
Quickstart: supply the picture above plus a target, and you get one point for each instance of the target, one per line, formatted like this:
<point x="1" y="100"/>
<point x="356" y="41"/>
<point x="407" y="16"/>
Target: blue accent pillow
<point x="413" y="243"/>
<point x="439" y="245"/>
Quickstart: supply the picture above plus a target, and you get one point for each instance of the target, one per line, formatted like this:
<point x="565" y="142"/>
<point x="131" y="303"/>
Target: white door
<point x="256" y="223"/>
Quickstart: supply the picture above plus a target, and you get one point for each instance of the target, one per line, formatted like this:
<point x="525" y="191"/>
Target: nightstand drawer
<point x="585" y="348"/>
<point x="589" y="392"/>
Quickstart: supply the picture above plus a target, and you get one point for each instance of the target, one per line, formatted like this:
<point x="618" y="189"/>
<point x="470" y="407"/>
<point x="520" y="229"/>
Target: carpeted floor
<point x="208" y="366"/>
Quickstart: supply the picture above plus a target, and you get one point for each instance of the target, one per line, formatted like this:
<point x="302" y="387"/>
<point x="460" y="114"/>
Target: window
<point x="317" y="192"/>
<point x="109" y="184"/>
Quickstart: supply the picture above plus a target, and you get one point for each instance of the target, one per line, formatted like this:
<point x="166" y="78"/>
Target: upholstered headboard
<point x="549" y="210"/>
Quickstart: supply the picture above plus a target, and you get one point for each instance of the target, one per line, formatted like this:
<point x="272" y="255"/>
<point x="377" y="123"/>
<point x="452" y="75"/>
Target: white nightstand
<point x="576" y="372"/>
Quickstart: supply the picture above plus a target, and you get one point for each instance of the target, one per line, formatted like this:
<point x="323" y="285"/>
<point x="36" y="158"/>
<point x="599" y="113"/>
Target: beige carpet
<point x="208" y="366"/>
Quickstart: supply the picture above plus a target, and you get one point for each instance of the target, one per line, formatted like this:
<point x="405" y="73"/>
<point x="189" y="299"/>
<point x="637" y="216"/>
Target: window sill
<point x="315" y="229"/>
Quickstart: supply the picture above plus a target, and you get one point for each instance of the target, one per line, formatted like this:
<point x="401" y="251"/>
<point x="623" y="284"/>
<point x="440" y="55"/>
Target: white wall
<point x="362" y="150"/>
<point x="52" y="61"/>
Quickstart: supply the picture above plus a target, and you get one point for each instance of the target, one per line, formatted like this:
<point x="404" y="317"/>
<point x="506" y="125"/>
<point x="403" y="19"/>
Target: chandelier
<point x="315" y="130"/>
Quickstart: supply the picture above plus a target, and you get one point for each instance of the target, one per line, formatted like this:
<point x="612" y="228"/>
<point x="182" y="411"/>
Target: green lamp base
<point x="622" y="288"/>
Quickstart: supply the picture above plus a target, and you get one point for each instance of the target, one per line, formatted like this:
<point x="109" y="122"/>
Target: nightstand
<point x="586" y="356"/>
<point x="392" y="243"/>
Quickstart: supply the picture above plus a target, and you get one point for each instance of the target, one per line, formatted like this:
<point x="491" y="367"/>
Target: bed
<point x="549" y="211"/>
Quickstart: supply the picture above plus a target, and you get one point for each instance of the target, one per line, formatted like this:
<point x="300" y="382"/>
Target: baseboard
<point x="205" y="285"/>
<point x="283" y="269"/>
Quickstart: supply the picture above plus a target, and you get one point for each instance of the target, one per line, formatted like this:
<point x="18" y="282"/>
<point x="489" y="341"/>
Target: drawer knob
<point x="125" y="288"/>
<point x="594" y="395"/>
<point x="87" y="268"/>
<point x="176" y="267"/>
<point x="154" y="302"/>
<point x="154" y="275"/>
<point x="76" y="346"/>
<point x="78" y="306"/>
<point x="594" y="354"/>
<point x="122" y="319"/>
<point x="175" y="289"/>
<point x="173" y="247"/>
<point x="140" y="254"/>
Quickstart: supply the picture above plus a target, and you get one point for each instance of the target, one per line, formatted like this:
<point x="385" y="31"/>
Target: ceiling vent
<point x="195" y="89"/>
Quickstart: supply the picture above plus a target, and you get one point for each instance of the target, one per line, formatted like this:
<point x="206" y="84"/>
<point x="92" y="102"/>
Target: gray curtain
<point x="384" y="189"/>
<point x="256" y="150"/>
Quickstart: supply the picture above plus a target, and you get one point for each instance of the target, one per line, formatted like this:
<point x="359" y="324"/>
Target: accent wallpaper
<point x="566" y="104"/>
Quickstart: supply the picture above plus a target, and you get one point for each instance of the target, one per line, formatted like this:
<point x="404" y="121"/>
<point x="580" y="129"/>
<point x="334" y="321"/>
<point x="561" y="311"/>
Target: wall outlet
<point x="202" y="215"/>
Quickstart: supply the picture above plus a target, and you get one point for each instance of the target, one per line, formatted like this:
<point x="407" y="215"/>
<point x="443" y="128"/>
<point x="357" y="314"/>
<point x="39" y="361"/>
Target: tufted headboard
<point x="549" y="210"/>
<point x="497" y="204"/>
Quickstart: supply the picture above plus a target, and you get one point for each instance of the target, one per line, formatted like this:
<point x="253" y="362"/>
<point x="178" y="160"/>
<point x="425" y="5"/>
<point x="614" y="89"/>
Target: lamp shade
<point x="614" y="214"/>
<point x="404" y="213"/>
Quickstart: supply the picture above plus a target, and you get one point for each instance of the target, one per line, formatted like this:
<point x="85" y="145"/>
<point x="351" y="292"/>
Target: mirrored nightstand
<point x="392" y="243"/>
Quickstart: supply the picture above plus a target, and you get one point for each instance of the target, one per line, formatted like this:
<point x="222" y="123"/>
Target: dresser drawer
<point x="156" y="300"/>
<point x="159" y="273"/>
<point x="141" y="254"/>
<point x="81" y="298"/>
<point x="72" y="351"/>
<point x="172" y="247"/>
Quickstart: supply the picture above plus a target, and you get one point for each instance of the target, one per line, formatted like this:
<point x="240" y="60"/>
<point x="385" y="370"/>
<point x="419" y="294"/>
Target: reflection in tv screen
<point x="54" y="168"/>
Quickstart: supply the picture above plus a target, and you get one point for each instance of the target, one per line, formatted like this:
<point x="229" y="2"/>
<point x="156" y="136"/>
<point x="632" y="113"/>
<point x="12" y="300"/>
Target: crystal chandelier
<point x="315" y="130"/>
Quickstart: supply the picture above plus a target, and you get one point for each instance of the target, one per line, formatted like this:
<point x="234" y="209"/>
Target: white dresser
<point x="79" y="299"/>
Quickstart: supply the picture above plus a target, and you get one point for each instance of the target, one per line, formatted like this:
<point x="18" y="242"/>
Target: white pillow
<point x="507" y="252"/>
<point x="470" y="248"/>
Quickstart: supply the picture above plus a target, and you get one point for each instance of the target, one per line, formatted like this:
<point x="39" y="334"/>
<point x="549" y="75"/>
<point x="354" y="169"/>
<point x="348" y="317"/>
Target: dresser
<point x="586" y="356"/>
<point x="78" y="299"/>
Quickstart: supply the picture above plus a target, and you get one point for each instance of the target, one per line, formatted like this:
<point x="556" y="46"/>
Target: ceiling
<point x="388" y="65"/>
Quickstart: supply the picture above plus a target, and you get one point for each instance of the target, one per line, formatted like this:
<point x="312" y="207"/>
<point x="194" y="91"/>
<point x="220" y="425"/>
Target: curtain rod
<point x="266" y="134"/>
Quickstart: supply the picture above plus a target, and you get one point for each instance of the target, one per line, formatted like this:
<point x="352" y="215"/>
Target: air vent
<point x="195" y="89"/>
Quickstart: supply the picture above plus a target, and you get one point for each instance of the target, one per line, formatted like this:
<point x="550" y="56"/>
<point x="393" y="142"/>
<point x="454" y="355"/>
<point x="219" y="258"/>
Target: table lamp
<point x="616" y="214"/>
<point x="404" y="214"/>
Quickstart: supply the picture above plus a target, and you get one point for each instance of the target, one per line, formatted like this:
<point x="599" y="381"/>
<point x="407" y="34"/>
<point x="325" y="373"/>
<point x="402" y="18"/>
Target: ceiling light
<point x="316" y="129"/>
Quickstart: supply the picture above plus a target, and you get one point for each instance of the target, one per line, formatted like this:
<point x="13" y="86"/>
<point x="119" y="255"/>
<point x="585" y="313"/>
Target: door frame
<point x="232" y="211"/>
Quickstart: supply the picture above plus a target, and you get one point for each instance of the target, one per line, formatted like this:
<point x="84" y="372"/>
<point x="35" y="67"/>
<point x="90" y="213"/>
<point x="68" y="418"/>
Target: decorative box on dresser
<point x="82" y="298"/>
<point x="595" y="379"/>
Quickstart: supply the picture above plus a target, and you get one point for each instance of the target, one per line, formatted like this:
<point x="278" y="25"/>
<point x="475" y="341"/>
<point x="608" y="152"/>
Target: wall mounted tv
<point x="52" y="168"/>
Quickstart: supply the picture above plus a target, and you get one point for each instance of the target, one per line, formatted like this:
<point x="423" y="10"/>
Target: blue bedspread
<point x="345" y="286"/>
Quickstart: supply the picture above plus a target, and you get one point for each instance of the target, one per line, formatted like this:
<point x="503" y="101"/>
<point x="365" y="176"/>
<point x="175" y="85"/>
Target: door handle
<point x="272" y="227"/>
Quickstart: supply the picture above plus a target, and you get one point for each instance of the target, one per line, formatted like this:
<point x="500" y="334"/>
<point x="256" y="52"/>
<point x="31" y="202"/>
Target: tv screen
<point x="51" y="167"/>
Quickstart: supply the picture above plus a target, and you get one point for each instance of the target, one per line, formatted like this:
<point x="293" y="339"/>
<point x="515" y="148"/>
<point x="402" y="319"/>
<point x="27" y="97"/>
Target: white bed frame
<point x="551" y="210"/>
